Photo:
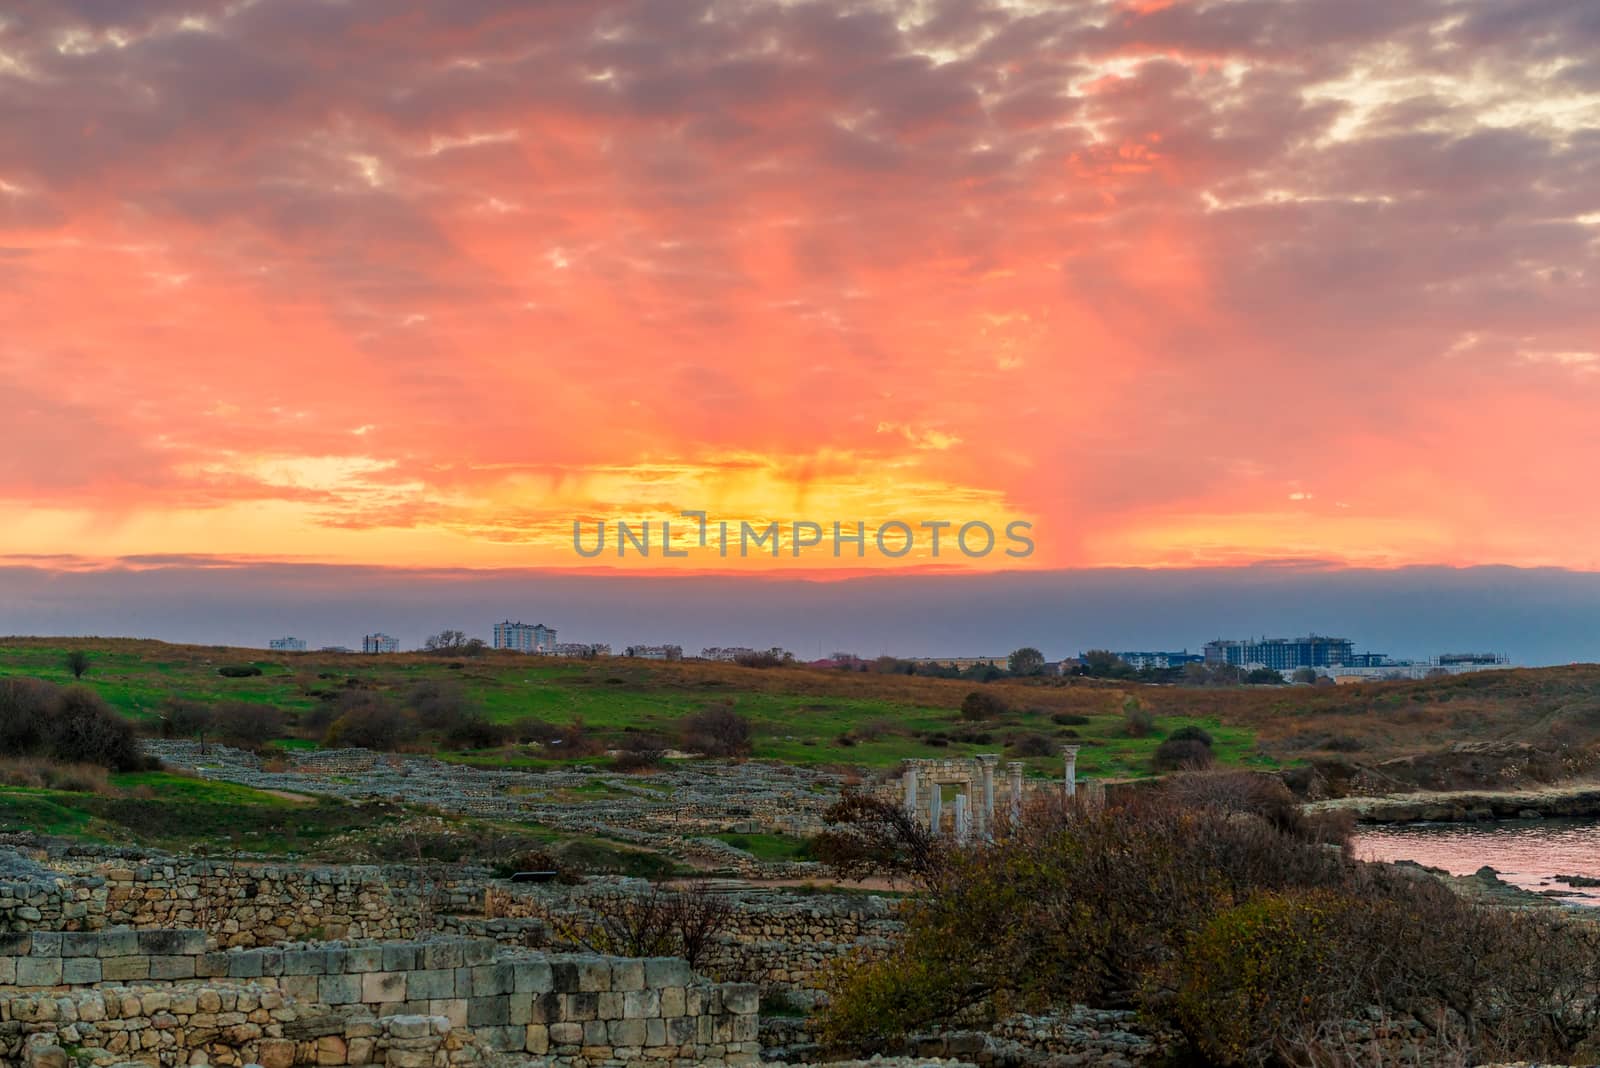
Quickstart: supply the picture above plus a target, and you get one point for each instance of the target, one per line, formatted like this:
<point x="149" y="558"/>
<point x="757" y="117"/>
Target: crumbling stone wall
<point x="219" y="1024"/>
<point x="578" y="1008"/>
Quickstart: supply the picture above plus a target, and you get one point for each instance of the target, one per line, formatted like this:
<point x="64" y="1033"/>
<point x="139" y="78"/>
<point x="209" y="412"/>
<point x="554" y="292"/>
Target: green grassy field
<point x="799" y="716"/>
<point x="189" y="815"/>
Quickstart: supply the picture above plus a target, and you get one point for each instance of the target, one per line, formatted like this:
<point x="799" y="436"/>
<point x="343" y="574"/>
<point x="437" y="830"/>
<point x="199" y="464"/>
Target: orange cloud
<point x="1174" y="285"/>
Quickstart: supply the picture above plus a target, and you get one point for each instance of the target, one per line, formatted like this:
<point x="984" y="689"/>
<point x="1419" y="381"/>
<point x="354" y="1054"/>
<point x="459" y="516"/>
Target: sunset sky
<point x="416" y="284"/>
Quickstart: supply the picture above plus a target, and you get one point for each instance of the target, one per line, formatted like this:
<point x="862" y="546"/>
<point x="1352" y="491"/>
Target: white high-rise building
<point x="380" y="643"/>
<point x="287" y="645"/>
<point x="525" y="637"/>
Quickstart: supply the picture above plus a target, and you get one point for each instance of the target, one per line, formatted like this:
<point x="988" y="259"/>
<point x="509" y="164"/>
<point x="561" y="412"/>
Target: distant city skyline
<point x="1537" y="616"/>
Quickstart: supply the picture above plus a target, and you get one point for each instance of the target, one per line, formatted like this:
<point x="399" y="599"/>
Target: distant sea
<point x="1525" y="853"/>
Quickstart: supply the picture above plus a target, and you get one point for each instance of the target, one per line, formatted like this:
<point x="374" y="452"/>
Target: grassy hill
<point x="810" y="716"/>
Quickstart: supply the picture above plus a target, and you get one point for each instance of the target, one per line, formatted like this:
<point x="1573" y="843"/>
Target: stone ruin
<point x="973" y="811"/>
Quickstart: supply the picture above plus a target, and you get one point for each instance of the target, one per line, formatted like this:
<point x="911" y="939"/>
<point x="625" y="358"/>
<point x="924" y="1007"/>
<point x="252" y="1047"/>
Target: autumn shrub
<point x="1223" y="922"/>
<point x="248" y="724"/>
<point x="630" y="760"/>
<point x="238" y="671"/>
<point x="367" y="721"/>
<point x="1266" y="978"/>
<point x="1174" y="754"/>
<point x="717" y="731"/>
<point x="1030" y="745"/>
<point x="39" y="774"/>
<point x="1068" y="719"/>
<point x="983" y="704"/>
<point x="82" y="729"/>
<point x="1137" y="720"/>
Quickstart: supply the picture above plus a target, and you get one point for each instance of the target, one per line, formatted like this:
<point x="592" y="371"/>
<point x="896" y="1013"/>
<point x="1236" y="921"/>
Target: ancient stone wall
<point x="223" y="1024"/>
<point x="780" y="942"/>
<point x="574" y="1007"/>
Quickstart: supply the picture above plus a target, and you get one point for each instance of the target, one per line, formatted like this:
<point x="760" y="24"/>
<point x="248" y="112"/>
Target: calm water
<point x="1526" y="853"/>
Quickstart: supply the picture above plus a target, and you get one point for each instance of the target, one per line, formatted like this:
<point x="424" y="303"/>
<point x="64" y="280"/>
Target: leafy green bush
<point x="238" y="671"/>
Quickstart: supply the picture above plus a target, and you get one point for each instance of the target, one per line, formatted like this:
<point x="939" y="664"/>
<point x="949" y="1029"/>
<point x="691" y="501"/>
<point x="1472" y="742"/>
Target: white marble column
<point x="911" y="791"/>
<point x="1069" y="757"/>
<point x="935" y="807"/>
<point x="986" y="765"/>
<point x="1014" y="770"/>
<point x="963" y="817"/>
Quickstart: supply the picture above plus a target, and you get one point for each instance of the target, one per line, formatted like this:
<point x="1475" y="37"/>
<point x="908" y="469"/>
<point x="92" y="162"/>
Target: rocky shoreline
<point x="1576" y="801"/>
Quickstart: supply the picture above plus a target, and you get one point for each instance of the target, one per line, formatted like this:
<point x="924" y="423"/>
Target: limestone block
<point x="491" y="979"/>
<point x="399" y="958"/>
<point x="246" y="965"/>
<point x="566" y="1033"/>
<point x="594" y="974"/>
<point x="80" y="971"/>
<point x="339" y="989"/>
<point x="305" y="961"/>
<point x="626" y="1032"/>
<point x="362" y="959"/>
<point x="414" y="1026"/>
<point x="46" y="944"/>
<point x="80" y="944"/>
<point x="531" y="977"/>
<point x="431" y="983"/>
<point x="172" y="943"/>
<point x="382" y="987"/>
<point x="666" y="971"/>
<point x="536" y="1039"/>
<point x="641" y="1004"/>
<point x="627" y="975"/>
<point x="489" y="1012"/>
<point x="740" y="997"/>
<point x="579" y="1007"/>
<point x="440" y="955"/>
<point x="172" y="967"/>
<point x="452" y="1009"/>
<point x="300" y="987"/>
<point x="39" y="971"/>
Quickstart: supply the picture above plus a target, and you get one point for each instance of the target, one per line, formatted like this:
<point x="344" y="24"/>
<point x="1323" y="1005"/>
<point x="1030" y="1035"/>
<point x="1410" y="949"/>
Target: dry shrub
<point x="717" y="731"/>
<point x="53" y="775"/>
<point x="1030" y="745"/>
<point x="1176" y="754"/>
<point x="635" y="760"/>
<point x="983" y="704"/>
<point x="682" y="922"/>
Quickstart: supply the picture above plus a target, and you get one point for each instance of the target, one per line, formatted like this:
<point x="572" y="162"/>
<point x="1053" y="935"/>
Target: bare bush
<point x="682" y="922"/>
<point x="717" y="731"/>
<point x="870" y="835"/>
<point x="248" y="725"/>
<point x="82" y="729"/>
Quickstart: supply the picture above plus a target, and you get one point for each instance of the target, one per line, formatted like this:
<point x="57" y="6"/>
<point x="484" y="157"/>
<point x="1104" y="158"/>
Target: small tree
<point x="1026" y="661"/>
<point x="1136" y="719"/>
<point x="249" y="725"/>
<point x="870" y="835"/>
<point x="983" y="704"/>
<point x="446" y="641"/>
<point x="77" y="663"/>
<point x="82" y="728"/>
<point x="24" y="706"/>
<point x="187" y="719"/>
